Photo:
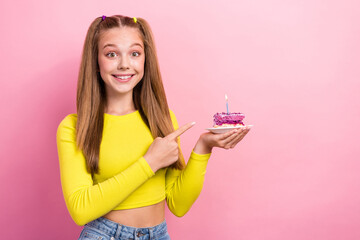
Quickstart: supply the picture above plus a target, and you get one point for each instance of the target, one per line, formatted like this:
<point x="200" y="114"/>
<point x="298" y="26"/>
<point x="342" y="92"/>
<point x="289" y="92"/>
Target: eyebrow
<point x="113" y="45"/>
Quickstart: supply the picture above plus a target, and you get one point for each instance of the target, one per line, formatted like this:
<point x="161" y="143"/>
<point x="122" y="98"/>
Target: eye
<point x="135" y="54"/>
<point x="111" y="54"/>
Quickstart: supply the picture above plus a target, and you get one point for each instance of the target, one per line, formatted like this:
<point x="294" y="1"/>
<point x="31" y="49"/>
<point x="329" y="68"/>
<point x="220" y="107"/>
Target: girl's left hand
<point x="226" y="140"/>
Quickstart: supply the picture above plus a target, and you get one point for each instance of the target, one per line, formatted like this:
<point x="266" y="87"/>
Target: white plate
<point x="225" y="129"/>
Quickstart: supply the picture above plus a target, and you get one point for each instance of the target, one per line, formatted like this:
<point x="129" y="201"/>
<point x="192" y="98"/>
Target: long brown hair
<point x="148" y="95"/>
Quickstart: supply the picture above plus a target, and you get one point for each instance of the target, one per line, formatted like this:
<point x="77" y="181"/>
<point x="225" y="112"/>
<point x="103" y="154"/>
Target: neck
<point x="120" y="104"/>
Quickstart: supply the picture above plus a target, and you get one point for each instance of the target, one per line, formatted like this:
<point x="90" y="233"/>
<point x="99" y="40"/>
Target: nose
<point x="123" y="63"/>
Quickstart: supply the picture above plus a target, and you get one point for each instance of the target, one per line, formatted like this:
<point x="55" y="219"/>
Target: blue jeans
<point x="105" y="229"/>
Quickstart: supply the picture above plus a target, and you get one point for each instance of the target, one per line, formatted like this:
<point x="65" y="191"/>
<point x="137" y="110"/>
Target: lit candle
<point x="227" y="105"/>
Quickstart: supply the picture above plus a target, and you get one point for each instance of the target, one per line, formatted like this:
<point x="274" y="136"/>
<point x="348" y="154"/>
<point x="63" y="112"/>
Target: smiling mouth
<point x="123" y="77"/>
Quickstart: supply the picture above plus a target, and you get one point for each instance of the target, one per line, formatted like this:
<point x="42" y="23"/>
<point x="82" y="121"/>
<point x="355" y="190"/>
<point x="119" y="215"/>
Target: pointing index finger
<point x="179" y="131"/>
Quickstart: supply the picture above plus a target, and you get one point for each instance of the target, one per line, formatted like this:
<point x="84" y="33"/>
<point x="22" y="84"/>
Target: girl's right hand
<point x="165" y="151"/>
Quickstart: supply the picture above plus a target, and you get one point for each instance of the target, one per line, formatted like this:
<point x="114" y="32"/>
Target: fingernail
<point x="249" y="126"/>
<point x="193" y="123"/>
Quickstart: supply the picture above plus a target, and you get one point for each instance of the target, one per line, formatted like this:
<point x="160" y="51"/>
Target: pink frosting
<point x="231" y="118"/>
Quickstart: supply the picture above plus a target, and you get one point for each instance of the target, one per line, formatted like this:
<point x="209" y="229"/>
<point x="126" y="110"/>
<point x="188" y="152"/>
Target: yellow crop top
<point x="125" y="179"/>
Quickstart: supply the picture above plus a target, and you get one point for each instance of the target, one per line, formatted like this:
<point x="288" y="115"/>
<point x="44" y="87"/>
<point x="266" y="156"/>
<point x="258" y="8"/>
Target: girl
<point x="120" y="156"/>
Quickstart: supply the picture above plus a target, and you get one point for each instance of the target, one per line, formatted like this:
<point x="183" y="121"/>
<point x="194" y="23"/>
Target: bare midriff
<point x="148" y="216"/>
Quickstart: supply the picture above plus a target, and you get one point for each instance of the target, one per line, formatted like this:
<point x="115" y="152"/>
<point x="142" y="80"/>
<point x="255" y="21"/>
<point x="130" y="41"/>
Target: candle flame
<point x="226" y="98"/>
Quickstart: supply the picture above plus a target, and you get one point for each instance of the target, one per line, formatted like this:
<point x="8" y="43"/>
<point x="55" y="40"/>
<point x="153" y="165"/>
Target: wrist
<point x="202" y="148"/>
<point x="151" y="163"/>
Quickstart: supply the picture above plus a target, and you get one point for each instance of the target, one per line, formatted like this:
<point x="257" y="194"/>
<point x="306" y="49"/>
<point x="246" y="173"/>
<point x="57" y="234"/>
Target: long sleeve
<point x="183" y="187"/>
<point x="85" y="200"/>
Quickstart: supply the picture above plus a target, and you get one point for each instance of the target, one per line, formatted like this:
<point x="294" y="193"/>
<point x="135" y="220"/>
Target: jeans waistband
<point x="117" y="231"/>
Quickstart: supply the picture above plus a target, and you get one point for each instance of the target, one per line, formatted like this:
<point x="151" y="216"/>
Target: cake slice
<point x="228" y="120"/>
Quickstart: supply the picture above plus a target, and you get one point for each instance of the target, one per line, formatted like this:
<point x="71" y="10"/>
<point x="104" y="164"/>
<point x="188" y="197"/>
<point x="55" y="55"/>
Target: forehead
<point x="121" y="37"/>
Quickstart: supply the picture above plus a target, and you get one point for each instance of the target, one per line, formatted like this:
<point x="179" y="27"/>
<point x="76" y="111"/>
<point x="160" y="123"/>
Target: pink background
<point x="291" y="66"/>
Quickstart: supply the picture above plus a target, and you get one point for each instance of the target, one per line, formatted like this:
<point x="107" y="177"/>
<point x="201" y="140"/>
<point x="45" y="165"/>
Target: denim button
<point x="112" y="238"/>
<point x="139" y="234"/>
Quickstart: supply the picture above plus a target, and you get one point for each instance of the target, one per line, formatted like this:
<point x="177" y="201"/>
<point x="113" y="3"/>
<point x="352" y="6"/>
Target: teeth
<point x="123" y="77"/>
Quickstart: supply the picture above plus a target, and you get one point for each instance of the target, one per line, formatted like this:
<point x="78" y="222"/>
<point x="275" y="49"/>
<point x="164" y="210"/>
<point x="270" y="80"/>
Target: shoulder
<point x="67" y="124"/>
<point x="173" y="119"/>
<point x="69" y="120"/>
<point x="172" y="114"/>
